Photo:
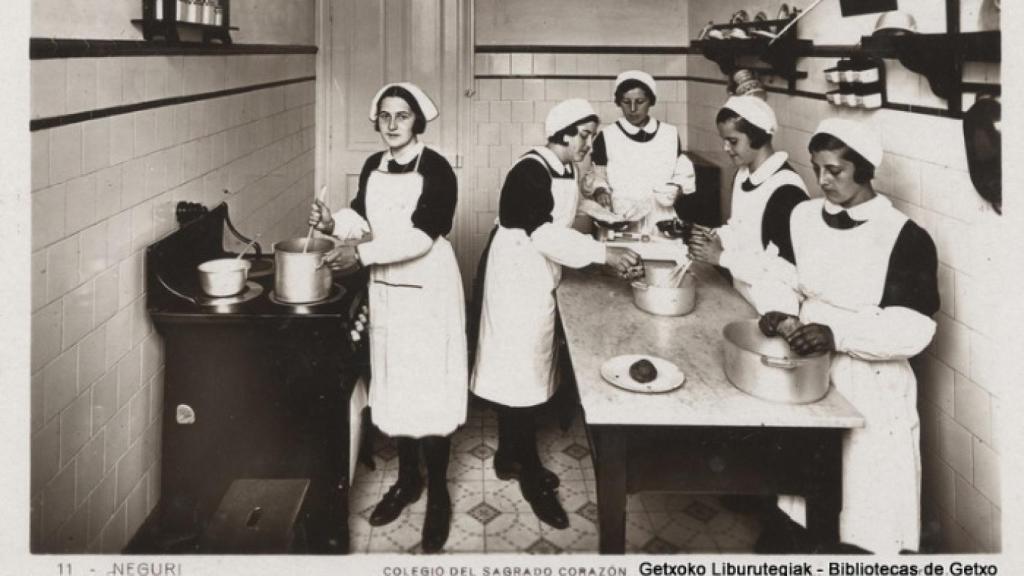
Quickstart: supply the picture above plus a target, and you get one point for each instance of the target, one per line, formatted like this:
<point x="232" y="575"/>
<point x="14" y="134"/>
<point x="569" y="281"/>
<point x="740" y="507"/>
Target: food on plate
<point x="643" y="371"/>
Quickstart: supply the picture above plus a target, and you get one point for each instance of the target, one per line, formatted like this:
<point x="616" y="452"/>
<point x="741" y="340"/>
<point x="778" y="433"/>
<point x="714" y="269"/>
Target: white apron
<point x="882" y="460"/>
<point x="515" y="359"/>
<point x="417" y="322"/>
<point x="635" y="168"/>
<point x="741" y="236"/>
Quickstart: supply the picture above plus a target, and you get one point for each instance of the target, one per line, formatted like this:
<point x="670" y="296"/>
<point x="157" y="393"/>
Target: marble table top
<point x="601" y="322"/>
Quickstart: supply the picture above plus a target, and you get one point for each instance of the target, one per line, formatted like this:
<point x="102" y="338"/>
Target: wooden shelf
<point x="939" y="57"/>
<point x="781" y="54"/>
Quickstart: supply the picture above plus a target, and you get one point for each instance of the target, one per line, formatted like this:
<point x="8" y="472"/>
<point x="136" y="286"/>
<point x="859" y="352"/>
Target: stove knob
<point x="360" y="326"/>
<point x="364" y="309"/>
<point x="356" y="336"/>
<point x="362" y="318"/>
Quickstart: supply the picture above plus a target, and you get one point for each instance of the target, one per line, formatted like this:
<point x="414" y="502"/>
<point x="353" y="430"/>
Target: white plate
<point x="616" y="372"/>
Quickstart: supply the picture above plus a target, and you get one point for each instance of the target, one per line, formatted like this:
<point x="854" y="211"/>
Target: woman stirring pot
<point x="868" y="275"/>
<point x="418" y="392"/>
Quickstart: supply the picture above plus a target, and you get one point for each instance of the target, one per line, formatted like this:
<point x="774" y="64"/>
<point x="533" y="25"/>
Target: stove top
<point x="172" y="281"/>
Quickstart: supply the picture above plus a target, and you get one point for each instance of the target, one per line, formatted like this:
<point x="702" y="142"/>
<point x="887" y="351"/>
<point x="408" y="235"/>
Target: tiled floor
<point x="490" y="515"/>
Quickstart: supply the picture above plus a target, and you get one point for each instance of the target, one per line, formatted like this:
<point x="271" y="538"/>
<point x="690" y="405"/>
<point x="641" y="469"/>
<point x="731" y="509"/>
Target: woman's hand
<point x="705" y="245"/>
<point x="623" y="260"/>
<point x="343" y="259"/>
<point x="771" y="323"/>
<point x="603" y="197"/>
<point x="812" y="338"/>
<point x="320" y="217"/>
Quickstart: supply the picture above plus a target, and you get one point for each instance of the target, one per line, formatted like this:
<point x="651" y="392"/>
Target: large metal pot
<point x="766" y="367"/>
<point x="301" y="278"/>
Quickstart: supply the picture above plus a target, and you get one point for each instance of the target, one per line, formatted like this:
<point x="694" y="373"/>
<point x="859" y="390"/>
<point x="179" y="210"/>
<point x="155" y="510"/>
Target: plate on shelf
<point x="616" y="373"/>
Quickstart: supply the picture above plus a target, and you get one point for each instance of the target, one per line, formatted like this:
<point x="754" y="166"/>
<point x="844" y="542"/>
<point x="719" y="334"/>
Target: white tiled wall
<point x="103" y="190"/>
<point x="925" y="174"/>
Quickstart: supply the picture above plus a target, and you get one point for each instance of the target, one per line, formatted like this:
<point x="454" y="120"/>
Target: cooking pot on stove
<point x="302" y="277"/>
<point x="767" y="368"/>
<point x="223" y="276"/>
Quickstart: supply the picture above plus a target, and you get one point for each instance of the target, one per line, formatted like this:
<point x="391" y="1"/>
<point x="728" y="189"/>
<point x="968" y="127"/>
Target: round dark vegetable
<point x="643" y="371"/>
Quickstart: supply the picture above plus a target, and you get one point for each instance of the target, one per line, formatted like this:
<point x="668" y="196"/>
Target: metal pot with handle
<point x="765" y="367"/>
<point x="302" y="276"/>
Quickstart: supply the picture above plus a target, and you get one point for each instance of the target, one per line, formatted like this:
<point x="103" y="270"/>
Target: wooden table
<point x="706" y="437"/>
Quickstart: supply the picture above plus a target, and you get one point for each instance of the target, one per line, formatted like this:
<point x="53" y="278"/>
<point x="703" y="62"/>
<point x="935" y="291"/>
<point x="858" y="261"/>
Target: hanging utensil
<point x="794" y="21"/>
<point x="249" y="245"/>
<point x="319" y="197"/>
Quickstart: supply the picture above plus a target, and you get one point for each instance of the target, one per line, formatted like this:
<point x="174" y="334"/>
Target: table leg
<point x="609" y="444"/>
<point x="825" y="503"/>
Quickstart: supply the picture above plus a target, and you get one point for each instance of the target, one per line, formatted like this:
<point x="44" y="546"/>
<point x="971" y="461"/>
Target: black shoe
<point x="394" y="501"/>
<point x="509" y="469"/>
<point x="437" y="524"/>
<point x="545" y="504"/>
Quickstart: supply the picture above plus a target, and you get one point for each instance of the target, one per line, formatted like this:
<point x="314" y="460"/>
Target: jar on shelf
<point x="158" y="9"/>
<point x="209" y="11"/>
<point x="182" y="6"/>
<point x="192" y="11"/>
<point x="218" y="16"/>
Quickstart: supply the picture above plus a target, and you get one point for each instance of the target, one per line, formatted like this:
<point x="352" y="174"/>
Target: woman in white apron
<point x="418" y="391"/>
<point x="515" y="358"/>
<point x="868" y="275"/>
<point x="638" y="163"/>
<point x="754" y="245"/>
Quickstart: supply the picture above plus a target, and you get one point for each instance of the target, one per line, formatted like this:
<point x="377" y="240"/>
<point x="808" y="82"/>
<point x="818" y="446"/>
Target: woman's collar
<point x="551" y="158"/>
<point x="863" y="211"/>
<point x="405" y="155"/>
<point x="649" y="127"/>
<point x="770" y="166"/>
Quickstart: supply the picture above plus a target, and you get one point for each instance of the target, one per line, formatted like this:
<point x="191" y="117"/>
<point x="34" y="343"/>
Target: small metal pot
<point x="301" y="278"/>
<point x="224" y="276"/>
<point x="666" y="300"/>
<point x="766" y="367"/>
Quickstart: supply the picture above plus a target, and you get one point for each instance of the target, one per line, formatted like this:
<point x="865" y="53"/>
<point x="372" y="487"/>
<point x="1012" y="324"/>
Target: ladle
<point x="319" y="196"/>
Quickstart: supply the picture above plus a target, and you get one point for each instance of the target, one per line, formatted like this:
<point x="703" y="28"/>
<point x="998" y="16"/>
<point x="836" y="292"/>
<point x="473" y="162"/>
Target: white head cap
<point x="856" y="135"/>
<point x="566" y="113"/>
<point x="754" y="110"/>
<point x="422" y="100"/>
<point x="640" y="76"/>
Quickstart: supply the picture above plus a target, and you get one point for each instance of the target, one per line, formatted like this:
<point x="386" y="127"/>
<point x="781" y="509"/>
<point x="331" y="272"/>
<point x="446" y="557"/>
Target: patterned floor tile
<point x="483" y="513"/>
<point x="702" y="544"/>
<point x="466" y="467"/>
<point x="700" y="510"/>
<point x="359" y="531"/>
<point x="505" y="495"/>
<point x="677" y="528"/>
<point x="398" y="537"/>
<point x="467" y="535"/>
<point x="588" y="511"/>
<point x="658" y="546"/>
<point x="577" y="451"/>
<point x="573" y="495"/>
<point x="638" y="531"/>
<point x="580" y="537"/>
<point x="465" y="494"/>
<point x="543" y="546"/>
<point x="511" y="532"/>
<point x="363" y="495"/>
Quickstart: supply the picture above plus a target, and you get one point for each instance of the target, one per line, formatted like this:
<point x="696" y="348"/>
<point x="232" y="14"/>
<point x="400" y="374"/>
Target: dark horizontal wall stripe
<point x="567" y="77"/>
<point x="518" y="49"/>
<point x="54" y="121"/>
<point x="44" y="48"/>
<point x="912" y="108"/>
